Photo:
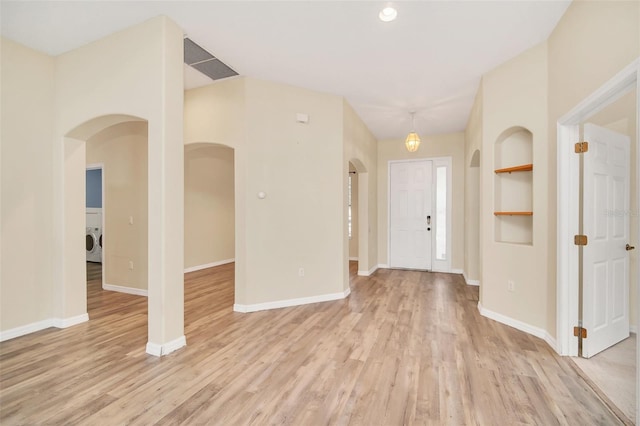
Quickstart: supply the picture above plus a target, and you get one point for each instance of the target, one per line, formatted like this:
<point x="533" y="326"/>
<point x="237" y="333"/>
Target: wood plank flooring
<point x="405" y="348"/>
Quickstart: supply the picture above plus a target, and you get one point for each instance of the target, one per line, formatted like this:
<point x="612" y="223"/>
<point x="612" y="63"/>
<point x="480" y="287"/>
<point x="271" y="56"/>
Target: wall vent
<point x="197" y="57"/>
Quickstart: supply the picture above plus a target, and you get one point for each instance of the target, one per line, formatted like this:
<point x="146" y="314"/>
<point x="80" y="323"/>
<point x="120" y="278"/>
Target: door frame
<point x="568" y="132"/>
<point x="448" y="161"/>
<point x="100" y="166"/>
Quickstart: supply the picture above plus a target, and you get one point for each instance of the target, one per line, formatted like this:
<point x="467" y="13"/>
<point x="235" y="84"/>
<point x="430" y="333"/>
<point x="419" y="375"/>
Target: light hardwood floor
<point x="405" y="348"/>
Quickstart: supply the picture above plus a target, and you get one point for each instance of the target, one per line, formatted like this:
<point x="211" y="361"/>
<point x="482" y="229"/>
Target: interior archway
<point x="209" y="205"/>
<point x="361" y="197"/>
<point x="71" y="291"/>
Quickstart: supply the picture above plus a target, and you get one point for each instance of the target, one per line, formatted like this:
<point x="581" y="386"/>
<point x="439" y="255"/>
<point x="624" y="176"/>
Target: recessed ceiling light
<point x="388" y="14"/>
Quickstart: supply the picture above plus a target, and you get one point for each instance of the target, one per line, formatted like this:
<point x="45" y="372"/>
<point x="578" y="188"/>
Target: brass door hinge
<point x="582" y="147"/>
<point x="580" y="240"/>
<point x="580" y="332"/>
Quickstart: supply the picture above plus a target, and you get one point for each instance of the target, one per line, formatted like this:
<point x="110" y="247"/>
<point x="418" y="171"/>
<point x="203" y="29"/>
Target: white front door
<point x="605" y="292"/>
<point x="410" y="214"/>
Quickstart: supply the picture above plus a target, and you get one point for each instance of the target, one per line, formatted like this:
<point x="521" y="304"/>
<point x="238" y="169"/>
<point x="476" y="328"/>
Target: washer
<point x="93" y="239"/>
<point x="92" y="243"/>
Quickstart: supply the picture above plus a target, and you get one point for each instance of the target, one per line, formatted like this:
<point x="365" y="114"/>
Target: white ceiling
<point x="430" y="59"/>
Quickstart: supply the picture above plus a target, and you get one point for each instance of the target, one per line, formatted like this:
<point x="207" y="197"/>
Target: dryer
<point x="92" y="243"/>
<point x="93" y="237"/>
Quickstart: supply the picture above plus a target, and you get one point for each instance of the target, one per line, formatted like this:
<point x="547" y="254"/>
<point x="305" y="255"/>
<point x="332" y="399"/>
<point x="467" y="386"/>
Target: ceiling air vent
<point x="198" y="58"/>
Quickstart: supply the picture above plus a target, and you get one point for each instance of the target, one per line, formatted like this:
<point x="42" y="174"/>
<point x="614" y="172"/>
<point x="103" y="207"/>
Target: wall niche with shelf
<point x="513" y="186"/>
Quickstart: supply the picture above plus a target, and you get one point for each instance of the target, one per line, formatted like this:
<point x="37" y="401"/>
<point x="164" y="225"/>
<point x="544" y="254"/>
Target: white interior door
<point x="410" y="211"/>
<point x="605" y="291"/>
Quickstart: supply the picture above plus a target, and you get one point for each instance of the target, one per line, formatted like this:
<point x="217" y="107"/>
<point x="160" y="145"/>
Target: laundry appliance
<point x="93" y="238"/>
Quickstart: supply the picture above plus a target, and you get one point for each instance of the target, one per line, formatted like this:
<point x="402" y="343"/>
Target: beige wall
<point x="514" y="95"/>
<point x="136" y="72"/>
<point x="299" y="166"/>
<point x="533" y="91"/>
<point x="472" y="199"/>
<point x="209" y="223"/>
<point x="122" y="149"/>
<point x="217" y="114"/>
<point x="54" y="106"/>
<point x="585" y="51"/>
<point x="449" y="145"/>
<point x="361" y="150"/>
<point x="26" y="127"/>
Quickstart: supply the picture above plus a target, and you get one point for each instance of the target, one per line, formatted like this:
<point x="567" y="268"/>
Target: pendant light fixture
<point x="413" y="140"/>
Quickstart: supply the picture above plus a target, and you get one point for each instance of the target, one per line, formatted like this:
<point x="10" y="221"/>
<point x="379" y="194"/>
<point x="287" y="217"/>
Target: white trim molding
<point x="369" y="272"/>
<point x="165" y="349"/>
<point x="69" y="322"/>
<point x="470" y="282"/>
<point x="518" y="325"/>
<point x="353" y="259"/>
<point x="291" y="302"/>
<point x="568" y="182"/>
<point x="128" y="290"/>
<point x="209" y="265"/>
<point x="25" y="329"/>
<point x="41" y="325"/>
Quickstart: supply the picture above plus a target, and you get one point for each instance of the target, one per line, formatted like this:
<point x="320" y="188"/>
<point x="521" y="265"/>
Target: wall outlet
<point x="301" y="272"/>
<point x="131" y="265"/>
<point x="511" y="286"/>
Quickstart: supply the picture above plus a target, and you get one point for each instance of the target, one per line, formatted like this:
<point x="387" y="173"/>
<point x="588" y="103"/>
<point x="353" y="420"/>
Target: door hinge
<point x="582" y="147"/>
<point x="580" y="240"/>
<point x="580" y="332"/>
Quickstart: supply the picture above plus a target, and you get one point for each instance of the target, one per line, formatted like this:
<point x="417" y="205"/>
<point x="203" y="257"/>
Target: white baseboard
<point x="383" y="266"/>
<point x="369" y="272"/>
<point x="68" y="322"/>
<point x="41" y="325"/>
<point x="551" y="341"/>
<point x="128" y="290"/>
<point x="25" y="329"/>
<point x="470" y="282"/>
<point x="291" y="302"/>
<point x="353" y="258"/>
<point x="517" y="324"/>
<point x="457" y="271"/>
<point x="165" y="349"/>
<point x="633" y="329"/>
<point x="209" y="265"/>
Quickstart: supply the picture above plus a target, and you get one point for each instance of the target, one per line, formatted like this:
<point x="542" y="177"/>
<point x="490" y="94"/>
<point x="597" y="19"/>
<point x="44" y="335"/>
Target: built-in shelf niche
<point x="513" y="184"/>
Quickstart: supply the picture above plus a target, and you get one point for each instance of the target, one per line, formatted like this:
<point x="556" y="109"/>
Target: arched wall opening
<point x="209" y="196"/>
<point x="121" y="142"/>
<point x="121" y="150"/>
<point x="360" y="197"/>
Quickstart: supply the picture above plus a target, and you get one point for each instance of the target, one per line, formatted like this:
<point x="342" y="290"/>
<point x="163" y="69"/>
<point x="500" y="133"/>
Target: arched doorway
<point x="121" y="151"/>
<point x="360" y="218"/>
<point x="209" y="206"/>
<point x="165" y="321"/>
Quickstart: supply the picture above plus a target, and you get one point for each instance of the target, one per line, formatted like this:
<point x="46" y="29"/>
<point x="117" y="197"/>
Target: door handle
<point x="428" y="220"/>
<point x="629" y="248"/>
